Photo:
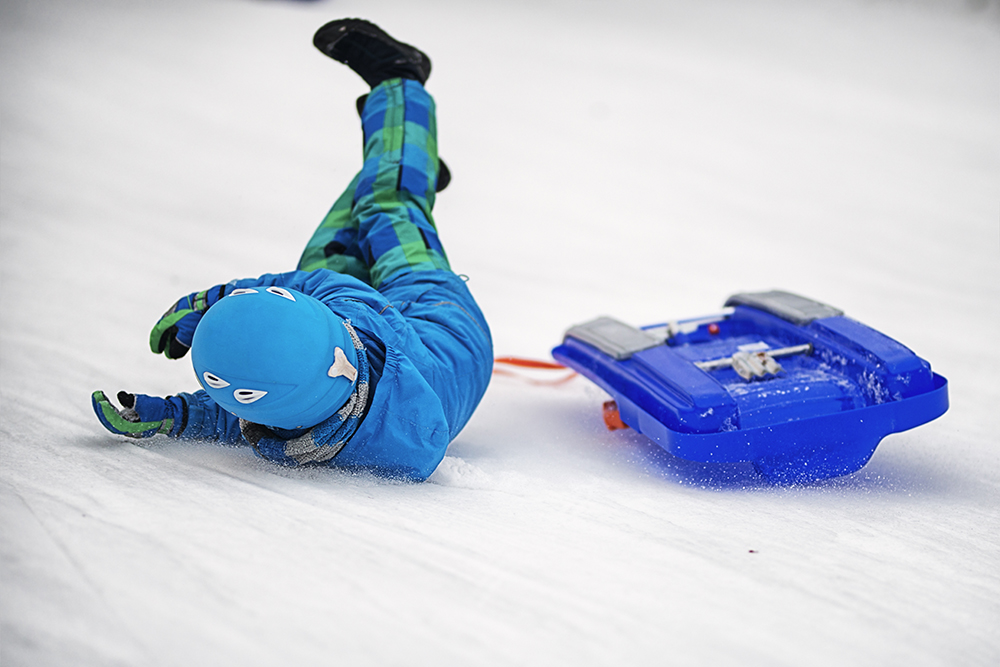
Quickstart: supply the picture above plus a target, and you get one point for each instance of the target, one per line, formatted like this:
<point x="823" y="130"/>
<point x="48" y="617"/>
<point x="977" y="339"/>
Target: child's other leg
<point x="334" y="244"/>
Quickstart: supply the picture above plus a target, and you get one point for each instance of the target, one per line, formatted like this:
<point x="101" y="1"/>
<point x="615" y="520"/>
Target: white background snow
<point x="635" y="158"/>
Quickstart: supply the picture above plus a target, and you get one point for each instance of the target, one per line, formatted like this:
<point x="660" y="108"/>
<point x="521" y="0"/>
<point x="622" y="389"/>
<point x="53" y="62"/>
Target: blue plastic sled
<point x="777" y="379"/>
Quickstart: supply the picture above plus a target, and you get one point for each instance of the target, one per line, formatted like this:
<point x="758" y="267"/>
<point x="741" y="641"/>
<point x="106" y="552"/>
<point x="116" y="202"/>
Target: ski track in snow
<point x="640" y="159"/>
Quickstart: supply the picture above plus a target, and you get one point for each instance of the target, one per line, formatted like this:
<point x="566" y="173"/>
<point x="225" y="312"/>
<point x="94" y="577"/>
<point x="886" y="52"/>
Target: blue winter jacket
<point x="431" y="358"/>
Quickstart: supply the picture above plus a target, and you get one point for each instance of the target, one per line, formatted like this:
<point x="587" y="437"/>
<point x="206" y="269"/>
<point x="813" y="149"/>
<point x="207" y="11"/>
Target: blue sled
<point x="777" y="379"/>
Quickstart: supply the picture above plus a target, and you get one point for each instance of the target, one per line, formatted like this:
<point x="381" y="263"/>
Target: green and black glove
<point x="172" y="335"/>
<point x="140" y="416"/>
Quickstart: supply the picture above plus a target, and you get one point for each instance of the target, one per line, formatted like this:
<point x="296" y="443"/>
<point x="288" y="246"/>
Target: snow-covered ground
<point x="636" y="158"/>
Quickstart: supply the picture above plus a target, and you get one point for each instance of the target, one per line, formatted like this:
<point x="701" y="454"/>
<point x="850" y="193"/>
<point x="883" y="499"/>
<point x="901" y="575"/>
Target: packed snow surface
<point x="639" y="159"/>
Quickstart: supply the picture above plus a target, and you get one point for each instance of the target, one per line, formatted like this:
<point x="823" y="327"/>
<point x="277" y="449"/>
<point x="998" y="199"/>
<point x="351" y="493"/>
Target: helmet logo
<point x="247" y="396"/>
<point x="242" y="290"/>
<point x="214" y="381"/>
<point x="278" y="291"/>
<point x="341" y="366"/>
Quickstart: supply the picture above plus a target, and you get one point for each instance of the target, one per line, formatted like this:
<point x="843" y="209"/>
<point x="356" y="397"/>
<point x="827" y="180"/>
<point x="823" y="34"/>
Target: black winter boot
<point x="371" y="52"/>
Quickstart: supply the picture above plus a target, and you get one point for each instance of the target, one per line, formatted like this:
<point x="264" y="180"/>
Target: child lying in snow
<point x="373" y="354"/>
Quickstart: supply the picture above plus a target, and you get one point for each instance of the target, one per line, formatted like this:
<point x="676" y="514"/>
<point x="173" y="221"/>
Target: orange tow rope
<point x="529" y="363"/>
<point x="537" y="364"/>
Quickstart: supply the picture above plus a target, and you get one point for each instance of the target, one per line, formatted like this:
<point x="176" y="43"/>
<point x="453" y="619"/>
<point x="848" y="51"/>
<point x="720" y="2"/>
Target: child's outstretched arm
<point x="187" y="416"/>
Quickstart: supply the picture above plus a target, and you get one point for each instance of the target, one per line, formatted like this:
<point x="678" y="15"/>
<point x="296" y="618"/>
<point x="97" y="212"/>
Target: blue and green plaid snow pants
<point x="382" y="227"/>
<point x="381" y="231"/>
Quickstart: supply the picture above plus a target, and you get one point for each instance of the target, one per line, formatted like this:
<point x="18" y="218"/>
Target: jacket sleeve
<point x="206" y="420"/>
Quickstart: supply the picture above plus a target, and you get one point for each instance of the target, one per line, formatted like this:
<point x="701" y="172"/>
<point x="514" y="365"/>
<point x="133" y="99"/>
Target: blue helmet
<point x="275" y="356"/>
